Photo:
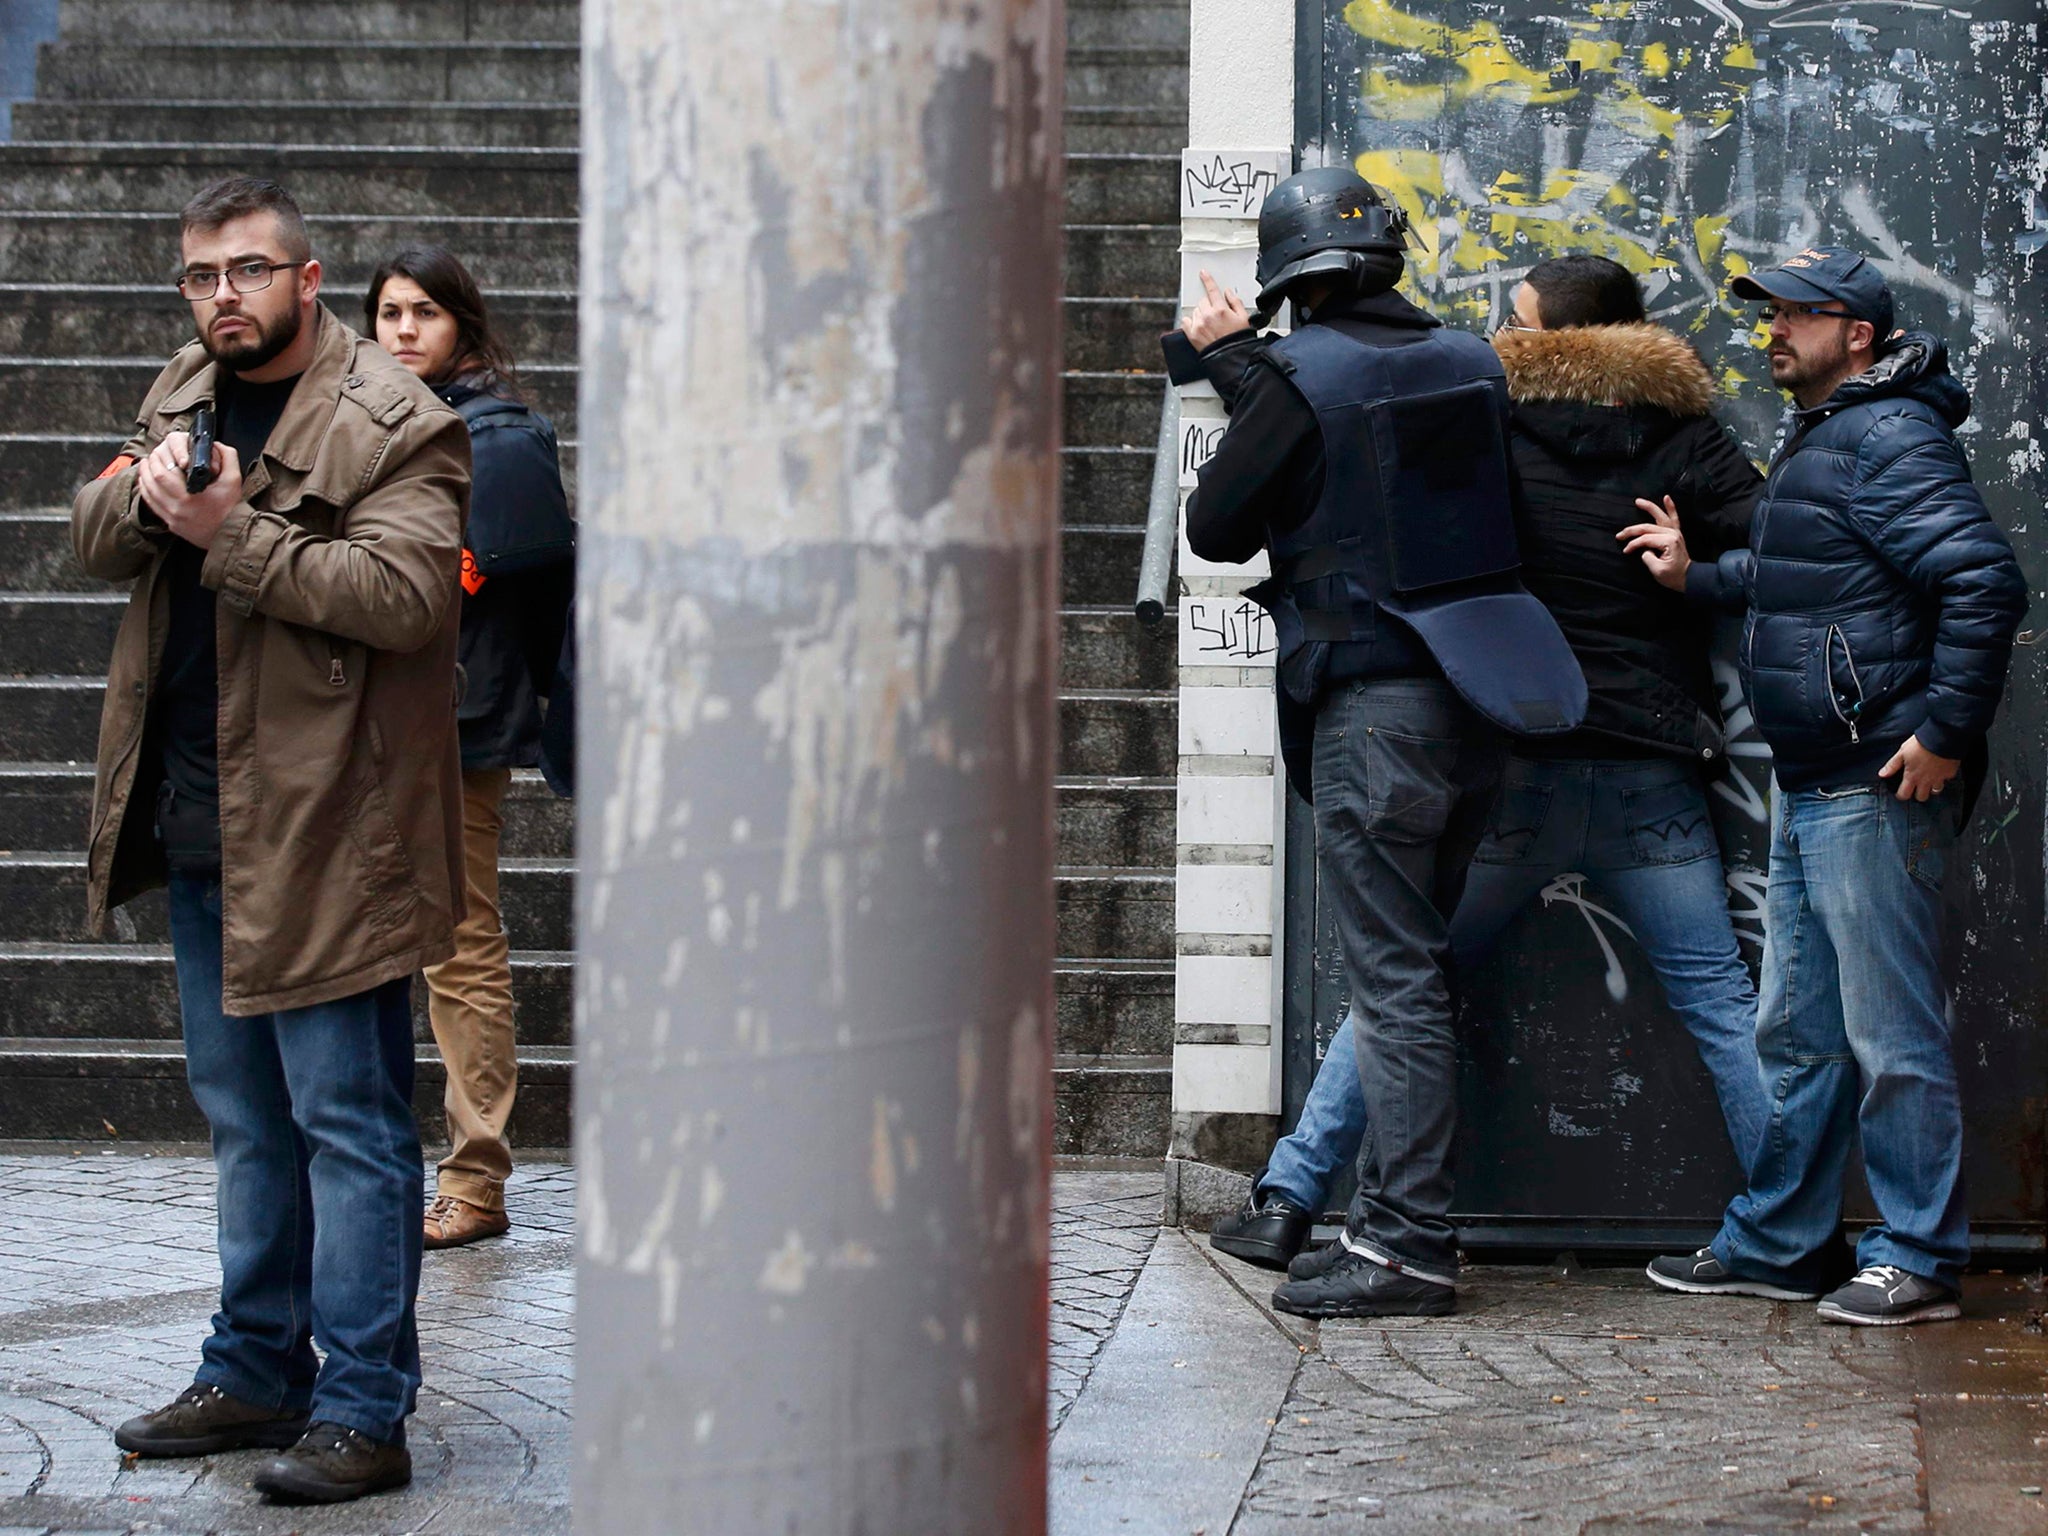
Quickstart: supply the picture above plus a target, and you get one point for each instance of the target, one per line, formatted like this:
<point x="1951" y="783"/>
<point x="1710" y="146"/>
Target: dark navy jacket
<point x="1882" y="599"/>
<point x="519" y="574"/>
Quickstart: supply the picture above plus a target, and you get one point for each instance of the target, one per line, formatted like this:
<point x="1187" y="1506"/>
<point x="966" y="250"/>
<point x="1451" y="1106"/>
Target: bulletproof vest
<point x="1416" y="521"/>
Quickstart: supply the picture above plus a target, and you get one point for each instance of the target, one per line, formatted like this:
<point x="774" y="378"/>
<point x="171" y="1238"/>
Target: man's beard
<point x="245" y="354"/>
<point x="1808" y="367"/>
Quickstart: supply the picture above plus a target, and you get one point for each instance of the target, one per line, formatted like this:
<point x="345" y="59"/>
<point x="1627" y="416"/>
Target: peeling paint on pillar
<point x="821" y="275"/>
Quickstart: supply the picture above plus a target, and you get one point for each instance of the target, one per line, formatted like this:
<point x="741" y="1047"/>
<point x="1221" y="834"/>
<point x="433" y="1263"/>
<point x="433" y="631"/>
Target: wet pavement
<point x="1557" y="1400"/>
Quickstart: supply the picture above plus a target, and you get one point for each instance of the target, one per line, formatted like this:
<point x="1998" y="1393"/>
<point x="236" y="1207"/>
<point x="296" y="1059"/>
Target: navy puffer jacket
<point x="1882" y="598"/>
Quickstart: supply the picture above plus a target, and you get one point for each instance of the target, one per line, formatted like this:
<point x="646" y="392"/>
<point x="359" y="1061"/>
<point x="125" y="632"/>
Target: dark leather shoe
<point x="1312" y="1262"/>
<point x="204" y="1421"/>
<point x="332" y="1463"/>
<point x="1267" y="1232"/>
<point x="1356" y="1287"/>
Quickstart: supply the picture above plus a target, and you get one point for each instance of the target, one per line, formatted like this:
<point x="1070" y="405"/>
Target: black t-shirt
<point x="188" y="687"/>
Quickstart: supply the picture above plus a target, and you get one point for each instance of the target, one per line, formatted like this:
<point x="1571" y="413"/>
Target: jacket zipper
<point x="1827" y="666"/>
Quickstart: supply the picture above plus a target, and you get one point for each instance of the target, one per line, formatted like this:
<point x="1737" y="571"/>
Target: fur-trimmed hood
<point x="1612" y="365"/>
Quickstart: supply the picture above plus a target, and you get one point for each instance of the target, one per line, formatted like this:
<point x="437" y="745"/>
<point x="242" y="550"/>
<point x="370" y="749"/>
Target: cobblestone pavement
<point x="1588" y="1402"/>
<point x="107" y="1277"/>
<point x="1103" y="1229"/>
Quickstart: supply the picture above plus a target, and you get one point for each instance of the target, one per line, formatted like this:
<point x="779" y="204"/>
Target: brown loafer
<point x="452" y="1222"/>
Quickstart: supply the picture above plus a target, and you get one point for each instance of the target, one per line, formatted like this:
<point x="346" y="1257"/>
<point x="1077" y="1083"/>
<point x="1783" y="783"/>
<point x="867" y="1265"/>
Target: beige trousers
<point x="469" y="1002"/>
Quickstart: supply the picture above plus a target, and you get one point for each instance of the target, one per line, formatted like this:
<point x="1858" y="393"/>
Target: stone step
<point x="1112" y="335"/>
<point x="1108" y="410"/>
<point x="58" y="1090"/>
<point x="1154" y="24"/>
<point x="44" y="469"/>
<point x="1128" y="823"/>
<point x="48" y="807"/>
<point x="1124" y="77"/>
<point x="114" y="992"/>
<point x="135" y="1090"/>
<point x="1112" y="1107"/>
<point x="1116" y="732"/>
<point x="57" y="621"/>
<point x="111" y="992"/>
<point x="1098" y="486"/>
<point x="1122" y="260"/>
<point x="133" y="21"/>
<point x="1111" y="913"/>
<point x="1098" y="565"/>
<point x="1124" y="913"/>
<point x="356" y="70"/>
<point x="141" y="249"/>
<point x="418" y="183"/>
<point x="84" y="393"/>
<point x="1122" y="188"/>
<point x="67" y="323"/>
<point x="478" y="125"/>
<point x="1107" y="647"/>
<point x="1128" y="130"/>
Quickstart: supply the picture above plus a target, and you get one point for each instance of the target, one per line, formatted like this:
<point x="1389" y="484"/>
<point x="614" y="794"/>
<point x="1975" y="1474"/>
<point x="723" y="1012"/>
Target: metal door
<point x="1691" y="140"/>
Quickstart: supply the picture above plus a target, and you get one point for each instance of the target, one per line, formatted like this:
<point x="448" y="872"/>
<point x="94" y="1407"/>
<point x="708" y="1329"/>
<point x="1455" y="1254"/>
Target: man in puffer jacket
<point x="1882" y="602"/>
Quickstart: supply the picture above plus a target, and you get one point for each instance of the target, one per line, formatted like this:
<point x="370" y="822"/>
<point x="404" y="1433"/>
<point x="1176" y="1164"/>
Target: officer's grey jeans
<point x="1405" y="777"/>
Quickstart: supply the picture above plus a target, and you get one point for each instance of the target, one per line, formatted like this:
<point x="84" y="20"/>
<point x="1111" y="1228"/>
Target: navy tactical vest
<point x="1415" y="521"/>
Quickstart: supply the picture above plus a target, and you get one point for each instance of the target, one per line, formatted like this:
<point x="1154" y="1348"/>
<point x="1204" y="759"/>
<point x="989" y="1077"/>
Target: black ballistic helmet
<point x="1321" y="221"/>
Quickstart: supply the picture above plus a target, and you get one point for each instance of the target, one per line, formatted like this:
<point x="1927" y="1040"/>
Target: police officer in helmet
<point x="1367" y="454"/>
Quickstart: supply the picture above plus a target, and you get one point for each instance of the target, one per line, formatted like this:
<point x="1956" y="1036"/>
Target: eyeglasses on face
<point x="244" y="277"/>
<point x="1770" y="312"/>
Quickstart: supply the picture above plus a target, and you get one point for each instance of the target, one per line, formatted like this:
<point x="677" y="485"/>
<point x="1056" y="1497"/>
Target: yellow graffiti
<point x="1656" y="61"/>
<point x="1741" y="56"/>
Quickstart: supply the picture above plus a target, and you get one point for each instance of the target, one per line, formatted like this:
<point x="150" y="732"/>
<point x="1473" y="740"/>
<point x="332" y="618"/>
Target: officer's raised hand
<point x="1660" y="543"/>
<point x="1220" y="313"/>
<point x="193" y="518"/>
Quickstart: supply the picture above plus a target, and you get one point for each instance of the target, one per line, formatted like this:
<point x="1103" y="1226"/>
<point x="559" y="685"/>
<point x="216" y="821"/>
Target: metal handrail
<point x="1162" y="514"/>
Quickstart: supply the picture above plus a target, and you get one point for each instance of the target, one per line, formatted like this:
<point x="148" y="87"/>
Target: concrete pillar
<point x="818" y="479"/>
<point x="1229" y="894"/>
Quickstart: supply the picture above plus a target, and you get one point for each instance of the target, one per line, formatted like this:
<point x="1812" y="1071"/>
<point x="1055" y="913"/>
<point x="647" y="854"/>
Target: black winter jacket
<point x="519" y="573"/>
<point x="1882" y="599"/>
<point x="1601" y="415"/>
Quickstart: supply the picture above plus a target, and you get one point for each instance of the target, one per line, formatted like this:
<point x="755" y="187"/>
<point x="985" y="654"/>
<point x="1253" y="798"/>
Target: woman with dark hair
<point x="1605" y="408"/>
<point x="518" y="573"/>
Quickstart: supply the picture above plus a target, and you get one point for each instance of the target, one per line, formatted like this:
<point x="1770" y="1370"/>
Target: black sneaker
<point x="1267" y="1232"/>
<point x="1883" y="1295"/>
<point x="1701" y="1274"/>
<point x="1354" y="1286"/>
<point x="332" y="1463"/>
<point x="1311" y="1262"/>
<point x="204" y="1421"/>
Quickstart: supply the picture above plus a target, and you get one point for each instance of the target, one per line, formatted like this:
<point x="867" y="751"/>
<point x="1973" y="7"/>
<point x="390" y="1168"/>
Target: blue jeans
<point x="1641" y="833"/>
<point x="319" y="1176"/>
<point x="1854" y="1034"/>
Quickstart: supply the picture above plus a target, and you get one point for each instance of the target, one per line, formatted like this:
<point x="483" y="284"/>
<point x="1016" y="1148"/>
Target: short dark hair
<point x="1585" y="290"/>
<point x="481" y="356"/>
<point x="235" y="197"/>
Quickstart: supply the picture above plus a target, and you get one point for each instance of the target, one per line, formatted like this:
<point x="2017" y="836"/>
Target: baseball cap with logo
<point x="1821" y="274"/>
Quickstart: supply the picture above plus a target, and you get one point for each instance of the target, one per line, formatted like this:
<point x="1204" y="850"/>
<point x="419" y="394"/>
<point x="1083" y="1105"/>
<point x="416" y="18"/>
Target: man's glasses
<point x="1770" y="312"/>
<point x="244" y="277"/>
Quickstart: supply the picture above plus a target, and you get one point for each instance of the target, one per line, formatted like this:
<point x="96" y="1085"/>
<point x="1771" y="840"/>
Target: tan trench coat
<point x="340" y="781"/>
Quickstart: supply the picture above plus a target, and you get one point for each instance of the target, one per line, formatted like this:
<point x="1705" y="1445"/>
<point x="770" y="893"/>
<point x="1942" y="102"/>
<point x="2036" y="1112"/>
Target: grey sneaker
<point x="1701" y="1274"/>
<point x="1883" y="1295"/>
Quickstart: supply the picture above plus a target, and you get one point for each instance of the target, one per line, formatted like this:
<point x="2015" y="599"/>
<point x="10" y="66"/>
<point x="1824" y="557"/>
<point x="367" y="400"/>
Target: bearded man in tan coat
<point x="278" y="746"/>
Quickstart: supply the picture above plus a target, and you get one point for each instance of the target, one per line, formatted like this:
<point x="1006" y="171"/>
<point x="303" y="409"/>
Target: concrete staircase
<point x="456" y="121"/>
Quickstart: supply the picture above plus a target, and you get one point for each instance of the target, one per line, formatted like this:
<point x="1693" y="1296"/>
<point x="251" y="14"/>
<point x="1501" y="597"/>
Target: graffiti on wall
<point x="1691" y="141"/>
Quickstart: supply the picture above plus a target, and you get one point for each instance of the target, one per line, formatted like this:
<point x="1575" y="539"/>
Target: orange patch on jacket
<point x="472" y="578"/>
<point x="116" y="467"/>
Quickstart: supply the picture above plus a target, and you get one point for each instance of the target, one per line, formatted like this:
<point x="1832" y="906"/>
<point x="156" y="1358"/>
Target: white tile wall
<point x="1226" y="1079"/>
<point x="1227" y="722"/>
<point x="1223" y="989"/>
<point x="1223" y="898"/>
<point x="1238" y="809"/>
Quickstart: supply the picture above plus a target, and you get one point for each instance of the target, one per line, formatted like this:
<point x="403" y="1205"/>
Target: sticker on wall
<point x="1236" y="267"/>
<point x="1229" y="183"/>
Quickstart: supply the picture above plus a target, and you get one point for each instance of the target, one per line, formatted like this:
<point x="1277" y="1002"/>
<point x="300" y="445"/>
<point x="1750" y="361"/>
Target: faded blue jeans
<point x="1854" y="1033"/>
<point x="1641" y="833"/>
<point x="317" y="1158"/>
